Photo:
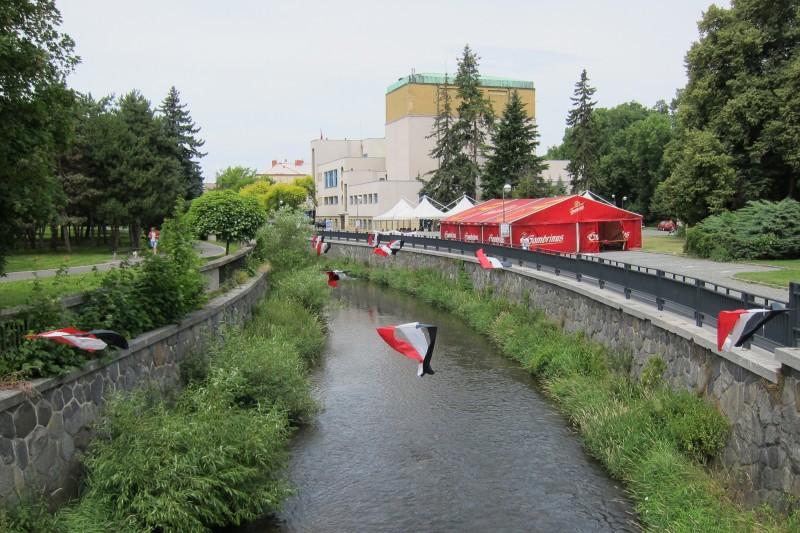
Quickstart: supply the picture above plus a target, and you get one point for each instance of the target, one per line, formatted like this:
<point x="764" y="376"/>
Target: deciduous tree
<point x="228" y="215"/>
<point x="35" y="59"/>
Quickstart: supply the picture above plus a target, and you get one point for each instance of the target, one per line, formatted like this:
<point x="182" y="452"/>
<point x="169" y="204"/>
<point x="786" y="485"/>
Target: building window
<point x="331" y="178"/>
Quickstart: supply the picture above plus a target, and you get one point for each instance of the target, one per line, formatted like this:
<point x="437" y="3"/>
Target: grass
<point x="32" y="261"/>
<point x="663" y="244"/>
<point x="14" y="293"/>
<point x="788" y="270"/>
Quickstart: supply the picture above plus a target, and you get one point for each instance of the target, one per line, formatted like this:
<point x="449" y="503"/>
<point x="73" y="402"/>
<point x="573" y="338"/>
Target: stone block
<point x="73" y="417"/>
<point x="7" y="427"/>
<point x="24" y="419"/>
<point x="7" y="454"/>
<point x="43" y="413"/>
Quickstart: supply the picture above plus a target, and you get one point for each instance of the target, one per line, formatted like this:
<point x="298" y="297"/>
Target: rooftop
<point x="439" y="79"/>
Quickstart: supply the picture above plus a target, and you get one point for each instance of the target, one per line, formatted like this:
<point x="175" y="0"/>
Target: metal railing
<point x="690" y="297"/>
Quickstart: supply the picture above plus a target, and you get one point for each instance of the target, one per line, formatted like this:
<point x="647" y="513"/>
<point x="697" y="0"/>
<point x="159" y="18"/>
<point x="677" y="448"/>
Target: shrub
<point x="698" y="430"/>
<point x="204" y="463"/>
<point x="760" y="230"/>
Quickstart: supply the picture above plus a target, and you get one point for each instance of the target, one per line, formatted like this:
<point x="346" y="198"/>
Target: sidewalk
<point x="204" y="249"/>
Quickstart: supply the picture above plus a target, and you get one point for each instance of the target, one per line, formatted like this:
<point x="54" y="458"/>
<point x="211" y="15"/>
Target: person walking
<point x="525" y="242"/>
<point x="153" y="238"/>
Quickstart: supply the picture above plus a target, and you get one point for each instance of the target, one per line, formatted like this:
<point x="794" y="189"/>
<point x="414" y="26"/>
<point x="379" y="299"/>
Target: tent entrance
<point x="611" y="235"/>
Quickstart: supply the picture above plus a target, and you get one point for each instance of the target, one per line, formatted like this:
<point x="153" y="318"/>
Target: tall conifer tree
<point x="474" y="123"/>
<point x="179" y="127"/>
<point x="441" y="186"/>
<point x="581" y="140"/>
<point x="512" y="156"/>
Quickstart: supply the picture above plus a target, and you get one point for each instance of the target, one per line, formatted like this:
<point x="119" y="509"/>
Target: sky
<point x="262" y="79"/>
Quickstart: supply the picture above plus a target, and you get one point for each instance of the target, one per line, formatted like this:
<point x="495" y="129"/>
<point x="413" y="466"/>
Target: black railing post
<point x="659" y="290"/>
<point x="627" y="281"/>
<point x="600" y="281"/>
<point x="578" y="266"/>
<point x="698" y="295"/>
<point x="794" y="315"/>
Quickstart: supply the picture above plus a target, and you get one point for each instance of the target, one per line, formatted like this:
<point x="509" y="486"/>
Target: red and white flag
<point x="734" y="328"/>
<point x="390" y="248"/>
<point x="374" y="239"/>
<point x="323" y="247"/>
<point x="489" y="261"/>
<point x="419" y="346"/>
<point x="73" y="337"/>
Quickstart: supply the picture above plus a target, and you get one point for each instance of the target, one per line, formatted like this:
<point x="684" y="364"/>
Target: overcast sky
<point x="263" y="78"/>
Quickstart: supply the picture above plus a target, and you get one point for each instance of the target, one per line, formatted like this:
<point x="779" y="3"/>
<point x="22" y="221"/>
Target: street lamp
<point x="614" y="199"/>
<point x="623" y="201"/>
<point x="503" y="229"/>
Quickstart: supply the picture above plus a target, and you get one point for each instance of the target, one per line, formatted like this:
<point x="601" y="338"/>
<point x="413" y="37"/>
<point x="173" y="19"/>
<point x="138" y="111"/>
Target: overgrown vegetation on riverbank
<point x="214" y="453"/>
<point x="656" y="440"/>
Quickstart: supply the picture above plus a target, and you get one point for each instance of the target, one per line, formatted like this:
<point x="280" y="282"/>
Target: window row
<point x="371" y="198"/>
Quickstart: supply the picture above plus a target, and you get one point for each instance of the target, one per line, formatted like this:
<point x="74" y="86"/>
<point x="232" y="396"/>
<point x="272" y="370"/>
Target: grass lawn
<point x="14" y="293"/>
<point x="789" y="270"/>
<point x="663" y="244"/>
<point x="29" y="261"/>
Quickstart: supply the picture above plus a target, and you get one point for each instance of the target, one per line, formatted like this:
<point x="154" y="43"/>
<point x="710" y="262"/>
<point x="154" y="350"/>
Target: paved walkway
<point x="204" y="249"/>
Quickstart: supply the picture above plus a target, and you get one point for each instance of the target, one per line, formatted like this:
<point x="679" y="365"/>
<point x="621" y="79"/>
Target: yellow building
<point x="358" y="180"/>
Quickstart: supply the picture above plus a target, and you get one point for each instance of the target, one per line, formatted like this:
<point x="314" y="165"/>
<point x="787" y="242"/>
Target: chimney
<point x="274" y="162"/>
<point x="298" y="162"/>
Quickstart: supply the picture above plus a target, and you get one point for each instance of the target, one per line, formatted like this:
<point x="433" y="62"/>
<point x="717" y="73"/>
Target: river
<point x="475" y="447"/>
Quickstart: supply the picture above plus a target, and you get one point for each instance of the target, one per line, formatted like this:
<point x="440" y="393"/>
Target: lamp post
<point x="503" y="229"/>
<point x="623" y="201"/>
<point x="614" y="199"/>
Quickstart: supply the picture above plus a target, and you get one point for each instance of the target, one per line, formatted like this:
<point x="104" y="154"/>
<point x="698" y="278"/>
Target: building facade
<point x="358" y="180"/>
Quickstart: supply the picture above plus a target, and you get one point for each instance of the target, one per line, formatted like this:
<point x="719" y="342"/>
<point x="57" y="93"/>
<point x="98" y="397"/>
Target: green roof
<point x="438" y="79"/>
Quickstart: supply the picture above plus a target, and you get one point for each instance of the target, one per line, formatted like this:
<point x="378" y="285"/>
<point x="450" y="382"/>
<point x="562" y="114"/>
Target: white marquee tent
<point x="462" y="205"/>
<point x="401" y="211"/>
<point x="427" y="211"/>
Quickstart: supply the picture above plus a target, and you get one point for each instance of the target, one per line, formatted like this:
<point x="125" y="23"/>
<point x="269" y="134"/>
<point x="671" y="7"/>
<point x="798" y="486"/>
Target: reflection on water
<point x="474" y="447"/>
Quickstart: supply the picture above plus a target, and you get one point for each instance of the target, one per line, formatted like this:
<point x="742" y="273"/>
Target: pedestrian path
<point x="204" y="249"/>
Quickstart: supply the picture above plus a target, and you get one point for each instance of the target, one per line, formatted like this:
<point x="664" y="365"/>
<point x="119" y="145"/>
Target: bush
<point x="204" y="463"/>
<point x="760" y="230"/>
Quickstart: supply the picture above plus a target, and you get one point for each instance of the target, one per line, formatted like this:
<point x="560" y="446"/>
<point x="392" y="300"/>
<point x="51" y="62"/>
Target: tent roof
<point x="427" y="210"/>
<point x="557" y="209"/>
<point x="401" y="211"/>
<point x="460" y="207"/>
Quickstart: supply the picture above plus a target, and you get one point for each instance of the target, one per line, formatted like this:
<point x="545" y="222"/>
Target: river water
<point x="474" y="447"/>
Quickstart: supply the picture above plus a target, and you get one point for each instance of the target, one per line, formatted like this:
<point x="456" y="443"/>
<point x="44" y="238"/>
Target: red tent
<point x="572" y="224"/>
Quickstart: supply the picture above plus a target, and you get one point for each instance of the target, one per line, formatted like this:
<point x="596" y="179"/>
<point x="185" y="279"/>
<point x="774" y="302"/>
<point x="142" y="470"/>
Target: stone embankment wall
<point x="758" y="392"/>
<point x="45" y="430"/>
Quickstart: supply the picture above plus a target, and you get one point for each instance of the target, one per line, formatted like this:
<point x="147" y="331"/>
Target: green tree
<point x="702" y="182"/>
<point x="286" y="195"/>
<point x="473" y="125"/>
<point x="632" y="160"/>
<point x="742" y="88"/>
<point x="512" y="154"/>
<point x="441" y="184"/>
<point x="234" y="178"/>
<point x="181" y="130"/>
<point x="228" y="215"/>
<point x="35" y="118"/>
<point x="582" y="138"/>
<point x="144" y="176"/>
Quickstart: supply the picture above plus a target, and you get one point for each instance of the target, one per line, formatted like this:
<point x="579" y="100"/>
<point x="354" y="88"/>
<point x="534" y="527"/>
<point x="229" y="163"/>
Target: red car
<point x="666" y="225"/>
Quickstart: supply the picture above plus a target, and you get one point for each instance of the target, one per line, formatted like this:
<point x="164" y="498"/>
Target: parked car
<point x="666" y="225"/>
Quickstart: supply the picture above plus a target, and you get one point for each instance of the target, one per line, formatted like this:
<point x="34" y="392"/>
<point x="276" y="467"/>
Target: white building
<point x="358" y="180"/>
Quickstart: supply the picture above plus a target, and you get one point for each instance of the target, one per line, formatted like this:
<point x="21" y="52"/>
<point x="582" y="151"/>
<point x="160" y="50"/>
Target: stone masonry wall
<point x="44" y="431"/>
<point x="758" y="392"/>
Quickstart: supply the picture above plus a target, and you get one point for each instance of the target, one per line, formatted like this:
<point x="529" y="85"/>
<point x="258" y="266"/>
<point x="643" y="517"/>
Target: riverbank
<point x="656" y="440"/>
